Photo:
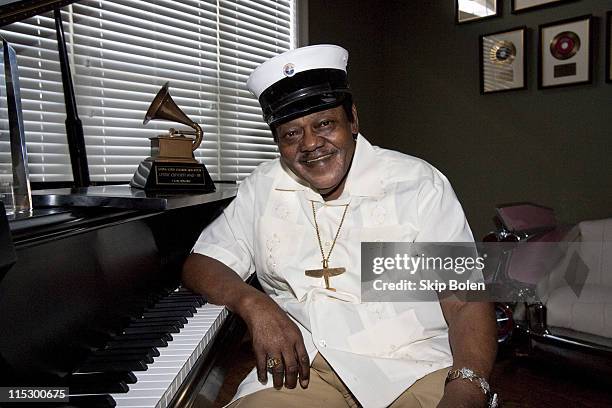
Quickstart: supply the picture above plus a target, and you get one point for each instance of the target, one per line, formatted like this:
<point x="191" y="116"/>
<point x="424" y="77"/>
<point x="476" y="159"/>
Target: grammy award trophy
<point x="172" y="165"/>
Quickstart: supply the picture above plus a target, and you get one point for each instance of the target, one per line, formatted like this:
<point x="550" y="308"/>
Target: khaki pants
<point x="326" y="390"/>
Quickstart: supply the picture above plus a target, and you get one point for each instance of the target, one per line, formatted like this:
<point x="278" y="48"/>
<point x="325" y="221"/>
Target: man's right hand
<point x="275" y="336"/>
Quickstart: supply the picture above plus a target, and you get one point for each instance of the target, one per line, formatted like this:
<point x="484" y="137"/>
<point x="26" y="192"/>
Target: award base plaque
<point x="154" y="175"/>
<point x="172" y="165"/>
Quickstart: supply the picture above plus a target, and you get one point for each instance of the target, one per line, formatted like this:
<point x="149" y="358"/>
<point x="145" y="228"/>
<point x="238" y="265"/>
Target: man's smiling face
<point x="319" y="148"/>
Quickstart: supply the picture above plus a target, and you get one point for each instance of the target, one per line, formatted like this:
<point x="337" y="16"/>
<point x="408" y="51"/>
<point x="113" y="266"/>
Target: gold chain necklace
<point x="326" y="272"/>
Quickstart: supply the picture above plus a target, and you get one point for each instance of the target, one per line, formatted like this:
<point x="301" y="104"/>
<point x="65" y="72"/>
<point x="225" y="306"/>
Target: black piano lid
<point x="124" y="196"/>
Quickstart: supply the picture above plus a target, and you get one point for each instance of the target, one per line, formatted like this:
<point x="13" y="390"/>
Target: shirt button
<point x="323" y="343"/>
<point x="327" y="244"/>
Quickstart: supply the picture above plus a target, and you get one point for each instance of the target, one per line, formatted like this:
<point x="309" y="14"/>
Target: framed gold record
<point x="502" y="52"/>
<point x="565" y="52"/>
<point x="502" y="61"/>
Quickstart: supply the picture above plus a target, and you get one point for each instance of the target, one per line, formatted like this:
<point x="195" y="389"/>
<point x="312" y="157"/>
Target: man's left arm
<point x="473" y="339"/>
<point x="471" y="325"/>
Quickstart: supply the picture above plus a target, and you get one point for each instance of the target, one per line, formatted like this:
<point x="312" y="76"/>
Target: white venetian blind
<point x="122" y="51"/>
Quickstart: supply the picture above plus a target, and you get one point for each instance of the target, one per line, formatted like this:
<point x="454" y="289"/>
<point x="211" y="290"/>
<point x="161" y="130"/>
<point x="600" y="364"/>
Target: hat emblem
<point x="289" y="70"/>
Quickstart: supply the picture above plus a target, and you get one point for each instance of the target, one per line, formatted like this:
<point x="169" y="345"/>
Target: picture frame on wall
<point x="565" y="52"/>
<point x="609" y="47"/>
<point x="520" y="6"/>
<point x="503" y="61"/>
<point x="468" y="11"/>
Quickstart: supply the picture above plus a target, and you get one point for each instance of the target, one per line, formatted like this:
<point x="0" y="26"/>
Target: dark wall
<point x="359" y="27"/>
<point x="416" y="78"/>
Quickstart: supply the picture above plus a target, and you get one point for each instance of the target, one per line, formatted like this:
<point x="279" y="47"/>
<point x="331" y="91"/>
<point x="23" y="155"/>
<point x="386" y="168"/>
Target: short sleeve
<point x="440" y="216"/>
<point x="229" y="238"/>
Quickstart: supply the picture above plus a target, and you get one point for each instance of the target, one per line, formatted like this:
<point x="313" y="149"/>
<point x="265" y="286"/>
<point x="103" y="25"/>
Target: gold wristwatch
<point x="469" y="374"/>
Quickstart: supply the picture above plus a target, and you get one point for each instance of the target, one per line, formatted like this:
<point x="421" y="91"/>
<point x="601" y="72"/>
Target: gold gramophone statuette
<point x="172" y="165"/>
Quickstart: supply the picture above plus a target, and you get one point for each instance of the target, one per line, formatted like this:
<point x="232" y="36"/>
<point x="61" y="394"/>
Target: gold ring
<point x="273" y="362"/>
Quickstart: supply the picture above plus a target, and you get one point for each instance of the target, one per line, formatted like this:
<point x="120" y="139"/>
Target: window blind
<point x="121" y="53"/>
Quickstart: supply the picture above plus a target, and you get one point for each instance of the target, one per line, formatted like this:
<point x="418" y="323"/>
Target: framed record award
<point x="502" y="61"/>
<point x="565" y="52"/>
<point x="519" y="6"/>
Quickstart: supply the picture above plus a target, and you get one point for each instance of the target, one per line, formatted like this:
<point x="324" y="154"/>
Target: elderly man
<point x="298" y="222"/>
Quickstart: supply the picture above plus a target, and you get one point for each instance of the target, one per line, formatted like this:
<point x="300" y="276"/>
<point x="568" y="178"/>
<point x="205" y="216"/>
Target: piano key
<point x="83" y="378"/>
<point x="92" y="401"/>
<point x="179" y="351"/>
<point x="176" y="319"/>
<point x="164" y="322"/>
<point x="99" y="387"/>
<point x="118" y="344"/>
<point x="173" y="313"/>
<point x="180" y="301"/>
<point x="145" y="351"/>
<point x="155" y="375"/>
<point x="183" y="311"/>
<point x="145" y="397"/>
<point x="100" y="383"/>
<point x="199" y="299"/>
<point x="140" y="402"/>
<point x="168" y="371"/>
<point x="113" y="366"/>
<point x="179" y="304"/>
<point x="152" y="329"/>
<point x="145" y="358"/>
<point x="142" y="336"/>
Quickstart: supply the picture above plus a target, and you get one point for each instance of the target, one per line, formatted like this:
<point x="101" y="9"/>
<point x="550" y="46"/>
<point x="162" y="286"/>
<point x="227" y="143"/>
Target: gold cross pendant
<point x="325" y="273"/>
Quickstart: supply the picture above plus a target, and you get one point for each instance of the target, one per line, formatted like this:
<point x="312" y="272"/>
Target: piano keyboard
<point x="153" y="384"/>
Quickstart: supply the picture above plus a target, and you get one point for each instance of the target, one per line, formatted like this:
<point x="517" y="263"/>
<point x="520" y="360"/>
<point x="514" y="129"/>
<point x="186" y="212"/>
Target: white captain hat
<point x="301" y="81"/>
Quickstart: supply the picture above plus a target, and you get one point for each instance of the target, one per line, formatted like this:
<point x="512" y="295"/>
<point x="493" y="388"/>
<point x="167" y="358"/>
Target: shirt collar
<point x="365" y="178"/>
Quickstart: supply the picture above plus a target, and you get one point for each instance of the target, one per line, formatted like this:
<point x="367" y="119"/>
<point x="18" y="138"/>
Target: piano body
<point x="90" y="295"/>
<point x="93" y="303"/>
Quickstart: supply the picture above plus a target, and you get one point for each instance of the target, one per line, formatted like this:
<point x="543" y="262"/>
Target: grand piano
<point x="94" y="303"/>
<point x="90" y="295"/>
